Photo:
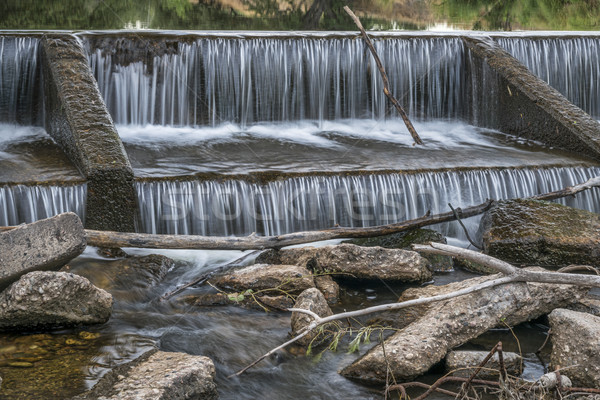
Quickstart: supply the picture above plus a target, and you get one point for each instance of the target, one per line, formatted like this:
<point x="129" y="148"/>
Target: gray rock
<point x="158" y="375"/>
<point x="351" y="261"/>
<point x="312" y="300"/>
<point x="530" y="232"/>
<point x="275" y="279"/>
<point x="589" y="304"/>
<point x="53" y="299"/>
<point x="44" y="245"/>
<point x="576" y="346"/>
<point x="329" y="288"/>
<point x="404" y="240"/>
<point x="451" y="323"/>
<point x="464" y="364"/>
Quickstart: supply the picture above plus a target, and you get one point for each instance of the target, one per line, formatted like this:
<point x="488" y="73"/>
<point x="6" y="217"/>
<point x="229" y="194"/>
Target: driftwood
<point x="511" y="274"/>
<point x="386" y="83"/>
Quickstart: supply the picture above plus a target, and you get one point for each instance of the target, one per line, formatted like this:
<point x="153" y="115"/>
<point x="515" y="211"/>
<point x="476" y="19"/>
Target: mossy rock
<point x="530" y="232"/>
<point x="404" y="240"/>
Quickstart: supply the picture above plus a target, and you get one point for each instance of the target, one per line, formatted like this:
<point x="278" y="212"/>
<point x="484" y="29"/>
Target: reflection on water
<point x="299" y="15"/>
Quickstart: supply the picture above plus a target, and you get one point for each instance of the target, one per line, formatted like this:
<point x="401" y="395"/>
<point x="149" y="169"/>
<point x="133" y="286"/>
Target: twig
<point x="384" y="77"/>
<point x="464" y="227"/>
<point x="496" y="349"/>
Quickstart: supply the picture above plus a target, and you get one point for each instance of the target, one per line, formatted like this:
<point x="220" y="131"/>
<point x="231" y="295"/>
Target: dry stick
<point x="252" y="242"/>
<point x="511" y="273"/>
<point x="386" y="84"/>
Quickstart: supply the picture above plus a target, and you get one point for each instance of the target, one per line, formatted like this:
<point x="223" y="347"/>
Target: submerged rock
<point x="464" y="364"/>
<point x="46" y="300"/>
<point x="272" y="279"/>
<point x="158" y="375"/>
<point x="451" y="323"/>
<point x="263" y="302"/>
<point x="47" y="244"/>
<point x="531" y="232"/>
<point x="312" y="300"/>
<point x="404" y="240"/>
<point x="351" y="261"/>
<point x="576" y="346"/>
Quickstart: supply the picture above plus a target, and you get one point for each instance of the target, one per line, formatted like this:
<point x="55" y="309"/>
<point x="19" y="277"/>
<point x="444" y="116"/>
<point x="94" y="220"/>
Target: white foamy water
<point x="326" y="134"/>
<point x="11" y="133"/>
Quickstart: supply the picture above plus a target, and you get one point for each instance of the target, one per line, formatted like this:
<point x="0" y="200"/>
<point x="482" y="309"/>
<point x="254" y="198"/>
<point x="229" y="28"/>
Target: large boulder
<point x="576" y="346"/>
<point x="268" y="278"/>
<point x="44" y="245"/>
<point x="531" y="232"/>
<point x="158" y="375"/>
<point x="47" y="300"/>
<point x="445" y="325"/>
<point x="312" y="300"/>
<point x="351" y="261"/>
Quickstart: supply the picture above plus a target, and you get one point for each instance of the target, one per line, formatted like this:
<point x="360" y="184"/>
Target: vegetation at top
<point x="300" y="14"/>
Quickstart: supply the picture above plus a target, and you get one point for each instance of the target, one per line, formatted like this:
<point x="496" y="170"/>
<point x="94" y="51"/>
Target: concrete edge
<point x="528" y="107"/>
<point x="77" y="119"/>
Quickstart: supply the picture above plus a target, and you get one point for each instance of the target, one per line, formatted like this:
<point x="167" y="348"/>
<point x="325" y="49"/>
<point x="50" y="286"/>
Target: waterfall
<point x="570" y="65"/>
<point x="23" y="204"/>
<point x="236" y="207"/>
<point x="20" y="81"/>
<point x="247" y="80"/>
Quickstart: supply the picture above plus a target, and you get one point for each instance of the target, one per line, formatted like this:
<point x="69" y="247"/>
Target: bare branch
<point x="384" y="77"/>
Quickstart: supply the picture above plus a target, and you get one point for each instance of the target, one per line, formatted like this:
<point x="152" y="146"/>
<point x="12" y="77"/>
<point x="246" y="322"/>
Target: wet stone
<point x="312" y="300"/>
<point x="48" y="300"/>
<point x="530" y="232"/>
<point x="44" y="245"/>
<point x="329" y="288"/>
<point x="355" y="262"/>
<point x="158" y="375"/>
<point x="576" y="346"/>
<point x="404" y="240"/>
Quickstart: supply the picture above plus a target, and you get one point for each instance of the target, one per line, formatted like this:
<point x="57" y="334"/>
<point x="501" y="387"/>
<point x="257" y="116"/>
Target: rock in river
<point x="158" y="375"/>
<point x="531" y="232"/>
<point x="47" y="244"/>
<point x="47" y="300"/>
<point x="351" y="261"/>
<point x="312" y="300"/>
<point x="576" y="346"/>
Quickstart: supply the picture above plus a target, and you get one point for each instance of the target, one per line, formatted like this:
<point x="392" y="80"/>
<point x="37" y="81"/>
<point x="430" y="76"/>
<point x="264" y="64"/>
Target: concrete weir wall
<point x="77" y="119"/>
<point x="526" y="106"/>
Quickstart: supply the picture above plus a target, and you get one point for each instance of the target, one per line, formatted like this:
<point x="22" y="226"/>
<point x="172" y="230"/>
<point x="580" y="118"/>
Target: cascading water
<point x="24" y="204"/>
<point x="570" y="65"/>
<point x="20" y="81"/>
<point x="216" y="80"/>
<point x="237" y="207"/>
